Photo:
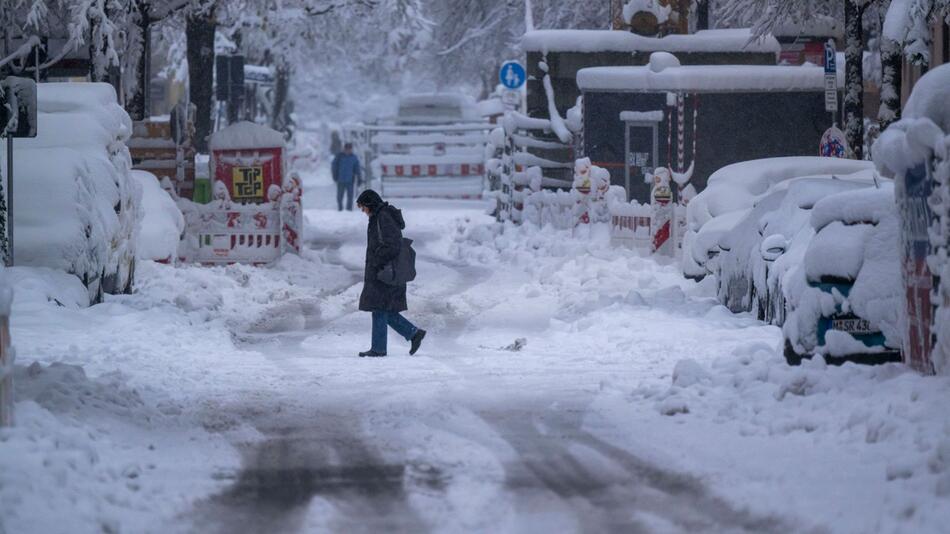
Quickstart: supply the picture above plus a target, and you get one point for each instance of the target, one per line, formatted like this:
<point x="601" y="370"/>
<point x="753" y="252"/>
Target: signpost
<point x="17" y="119"/>
<point x="831" y="77"/>
<point x="512" y="76"/>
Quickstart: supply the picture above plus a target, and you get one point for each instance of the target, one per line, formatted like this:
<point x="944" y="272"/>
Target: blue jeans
<point x="344" y="188"/>
<point x="382" y="319"/>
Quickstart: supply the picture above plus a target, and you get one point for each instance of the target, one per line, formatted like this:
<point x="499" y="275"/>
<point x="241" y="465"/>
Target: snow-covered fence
<point x="518" y="134"/>
<point x="630" y="224"/>
<point x="6" y="357"/>
<point x="223" y="232"/>
<point x="446" y="160"/>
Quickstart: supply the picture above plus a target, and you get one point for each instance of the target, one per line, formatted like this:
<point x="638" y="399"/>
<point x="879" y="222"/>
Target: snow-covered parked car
<point x="735" y="188"/>
<point x="844" y="297"/>
<point x="437" y="108"/>
<point x="770" y="239"/>
<point x="163" y="225"/>
<point x="77" y="206"/>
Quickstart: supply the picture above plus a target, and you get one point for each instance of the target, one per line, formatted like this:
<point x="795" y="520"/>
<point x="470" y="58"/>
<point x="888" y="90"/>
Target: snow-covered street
<point x="566" y="385"/>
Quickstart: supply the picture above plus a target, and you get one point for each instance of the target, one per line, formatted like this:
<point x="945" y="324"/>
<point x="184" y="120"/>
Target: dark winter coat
<point x="345" y="168"/>
<point x="382" y="246"/>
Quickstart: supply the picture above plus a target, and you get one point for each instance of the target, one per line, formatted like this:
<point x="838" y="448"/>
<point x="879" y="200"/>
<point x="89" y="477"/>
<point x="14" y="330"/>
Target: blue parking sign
<point x="512" y="75"/>
<point x="830" y="58"/>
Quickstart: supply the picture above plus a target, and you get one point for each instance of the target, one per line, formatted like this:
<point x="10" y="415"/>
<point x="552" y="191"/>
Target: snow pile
<point x="632" y="7"/>
<point x="78" y="168"/>
<point x="746" y="409"/>
<point x="162" y="224"/>
<point x="856" y="243"/>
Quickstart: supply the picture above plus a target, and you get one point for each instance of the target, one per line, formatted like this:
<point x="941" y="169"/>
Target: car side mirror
<point x="772" y="247"/>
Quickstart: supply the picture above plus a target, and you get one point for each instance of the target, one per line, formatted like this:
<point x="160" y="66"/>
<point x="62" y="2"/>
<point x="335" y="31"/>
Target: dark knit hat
<point x="370" y="199"/>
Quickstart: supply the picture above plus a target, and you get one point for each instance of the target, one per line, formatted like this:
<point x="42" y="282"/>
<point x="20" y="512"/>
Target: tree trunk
<point x="702" y="15"/>
<point x="139" y="102"/>
<point x="891" y="63"/>
<point x="199" y="35"/>
<point x="854" y="78"/>
<point x="281" y="92"/>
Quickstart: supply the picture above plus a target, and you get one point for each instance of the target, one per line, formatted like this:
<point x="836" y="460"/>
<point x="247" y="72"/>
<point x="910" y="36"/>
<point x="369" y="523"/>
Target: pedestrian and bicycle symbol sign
<point x="512" y="75"/>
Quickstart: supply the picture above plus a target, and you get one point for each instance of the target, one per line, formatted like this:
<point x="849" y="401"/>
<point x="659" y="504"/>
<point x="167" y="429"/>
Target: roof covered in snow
<point x="705" y="78"/>
<point x="732" y="40"/>
<point x="245" y="134"/>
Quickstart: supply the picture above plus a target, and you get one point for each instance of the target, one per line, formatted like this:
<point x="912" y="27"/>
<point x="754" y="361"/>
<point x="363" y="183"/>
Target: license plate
<point x="853" y="326"/>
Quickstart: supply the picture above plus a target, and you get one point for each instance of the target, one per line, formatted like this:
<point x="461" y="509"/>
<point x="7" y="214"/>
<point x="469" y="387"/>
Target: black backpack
<point x="401" y="270"/>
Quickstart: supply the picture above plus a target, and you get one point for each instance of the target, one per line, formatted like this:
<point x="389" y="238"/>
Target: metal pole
<point x="10" y="198"/>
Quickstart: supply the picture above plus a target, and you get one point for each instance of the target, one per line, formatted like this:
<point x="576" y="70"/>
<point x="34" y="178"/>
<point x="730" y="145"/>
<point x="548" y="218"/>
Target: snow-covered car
<point x="736" y="187"/>
<point x="843" y="298"/>
<point x="437" y="108"/>
<point x="163" y="225"/>
<point x="770" y="239"/>
<point x="77" y="206"/>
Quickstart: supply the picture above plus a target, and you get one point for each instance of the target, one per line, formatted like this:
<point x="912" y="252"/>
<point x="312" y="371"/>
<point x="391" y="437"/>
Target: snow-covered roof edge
<point x="731" y="40"/>
<point x="246" y="134"/>
<point x="705" y="78"/>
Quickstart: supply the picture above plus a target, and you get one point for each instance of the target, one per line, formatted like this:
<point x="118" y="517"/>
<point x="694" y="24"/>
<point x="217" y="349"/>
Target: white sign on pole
<point x="831" y="77"/>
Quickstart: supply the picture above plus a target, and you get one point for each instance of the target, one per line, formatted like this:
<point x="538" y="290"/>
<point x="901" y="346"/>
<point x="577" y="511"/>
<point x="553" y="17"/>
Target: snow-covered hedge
<point x="922" y="137"/>
<point x="76" y="205"/>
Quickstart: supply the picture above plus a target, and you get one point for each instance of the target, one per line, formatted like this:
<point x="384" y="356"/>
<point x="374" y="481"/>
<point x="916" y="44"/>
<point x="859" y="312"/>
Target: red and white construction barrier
<point x="223" y="232"/>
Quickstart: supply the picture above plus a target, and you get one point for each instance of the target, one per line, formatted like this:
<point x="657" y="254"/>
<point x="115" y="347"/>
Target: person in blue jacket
<point x="346" y="173"/>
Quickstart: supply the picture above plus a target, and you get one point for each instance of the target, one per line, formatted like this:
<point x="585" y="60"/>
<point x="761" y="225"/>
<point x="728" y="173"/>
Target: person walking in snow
<point x="384" y="301"/>
<point x="346" y="174"/>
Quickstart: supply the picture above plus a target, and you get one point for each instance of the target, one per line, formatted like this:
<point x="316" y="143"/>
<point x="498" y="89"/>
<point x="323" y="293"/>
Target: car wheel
<point x="130" y="284"/>
<point x="792" y="357"/>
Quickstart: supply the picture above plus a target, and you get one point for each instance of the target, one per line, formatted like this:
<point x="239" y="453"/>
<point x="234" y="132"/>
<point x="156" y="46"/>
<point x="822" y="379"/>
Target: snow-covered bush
<point x="76" y="205"/>
<point x="162" y="222"/>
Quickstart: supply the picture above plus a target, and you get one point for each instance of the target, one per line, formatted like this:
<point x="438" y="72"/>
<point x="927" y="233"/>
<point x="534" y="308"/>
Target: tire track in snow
<point x="606" y="488"/>
<point x="323" y="456"/>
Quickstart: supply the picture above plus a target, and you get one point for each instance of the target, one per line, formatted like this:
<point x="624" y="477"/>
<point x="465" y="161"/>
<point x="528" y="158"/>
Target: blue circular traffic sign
<point x="512" y="75"/>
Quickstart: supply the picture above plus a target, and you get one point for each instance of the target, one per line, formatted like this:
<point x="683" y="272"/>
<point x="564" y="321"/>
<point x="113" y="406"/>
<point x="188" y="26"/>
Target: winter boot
<point x="372" y="354"/>
<point x="417" y="341"/>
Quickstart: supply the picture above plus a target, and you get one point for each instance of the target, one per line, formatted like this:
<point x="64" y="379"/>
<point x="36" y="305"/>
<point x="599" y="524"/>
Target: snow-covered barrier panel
<point x="255" y="215"/>
<point x="916" y="152"/>
<point x="77" y="206"/>
<point x="435" y="160"/>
